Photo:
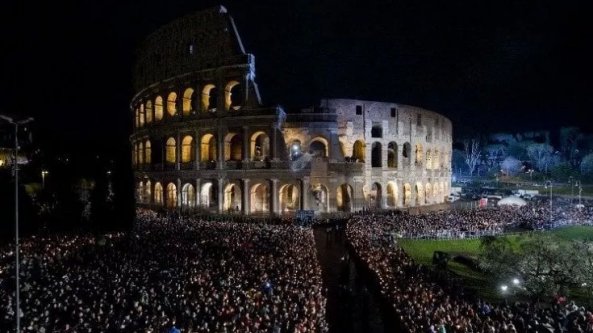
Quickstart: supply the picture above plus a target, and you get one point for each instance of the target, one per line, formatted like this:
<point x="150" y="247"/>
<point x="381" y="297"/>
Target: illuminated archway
<point x="289" y="198"/>
<point x="148" y="112"/>
<point x="171" y="195"/>
<point x="171" y="151"/>
<point x="147" y="192"/>
<point x="419" y="154"/>
<point x="419" y="194"/>
<point x="407" y="195"/>
<point x="172" y="104"/>
<point x="140" y="192"/>
<point x="232" y="198"/>
<point x="260" y="196"/>
<point x="158" y="108"/>
<point x="209" y="98"/>
<point x="319" y="147"/>
<point x="428" y="193"/>
<point x="344" y="198"/>
<point x="407" y="154"/>
<point x="391" y="194"/>
<point x="188" y="195"/>
<point x="320" y="198"/>
<point x="233" y="147"/>
<point x="187" y="149"/>
<point x="260" y="146"/>
<point x="436" y="160"/>
<point x="141" y="153"/>
<point x="358" y="153"/>
<point x="376" y="155"/>
<point x="429" y="165"/>
<point x="208" y="195"/>
<point x="208" y="148"/>
<point x="295" y="150"/>
<point x="232" y="96"/>
<point x="392" y="155"/>
<point x="376" y="196"/>
<point x="158" y="193"/>
<point x="188" y="96"/>
<point x="147" y="152"/>
<point x="142" y="115"/>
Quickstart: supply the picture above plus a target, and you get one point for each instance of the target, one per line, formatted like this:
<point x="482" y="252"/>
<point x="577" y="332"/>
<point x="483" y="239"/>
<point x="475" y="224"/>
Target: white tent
<point x="512" y="201"/>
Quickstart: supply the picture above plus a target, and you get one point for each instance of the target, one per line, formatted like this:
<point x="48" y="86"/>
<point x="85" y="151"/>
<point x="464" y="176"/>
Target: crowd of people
<point x="190" y="275"/>
<point x="424" y="303"/>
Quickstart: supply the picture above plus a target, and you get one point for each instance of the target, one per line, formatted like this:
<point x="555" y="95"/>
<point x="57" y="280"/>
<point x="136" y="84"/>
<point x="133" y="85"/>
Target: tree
<point x="472" y="154"/>
<point x="541" y="155"/>
<point x="511" y="166"/>
<point x="587" y="166"/>
<point x="570" y="138"/>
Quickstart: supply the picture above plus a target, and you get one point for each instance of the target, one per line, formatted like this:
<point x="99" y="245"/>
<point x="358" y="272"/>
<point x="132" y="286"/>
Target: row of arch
<point x="289" y="196"/>
<point x="190" y="100"/>
<point x="184" y="150"/>
<point x="433" y="159"/>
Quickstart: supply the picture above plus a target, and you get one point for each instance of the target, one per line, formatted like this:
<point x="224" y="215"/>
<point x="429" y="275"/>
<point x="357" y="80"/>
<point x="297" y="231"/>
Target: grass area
<point x="483" y="284"/>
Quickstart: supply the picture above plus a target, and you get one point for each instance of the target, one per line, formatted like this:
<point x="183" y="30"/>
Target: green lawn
<point x="482" y="283"/>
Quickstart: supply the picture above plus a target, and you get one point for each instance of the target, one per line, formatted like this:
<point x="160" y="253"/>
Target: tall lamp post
<point x="16" y="212"/>
<point x="43" y="174"/>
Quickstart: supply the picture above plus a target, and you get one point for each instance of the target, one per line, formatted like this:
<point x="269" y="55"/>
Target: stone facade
<point x="203" y="141"/>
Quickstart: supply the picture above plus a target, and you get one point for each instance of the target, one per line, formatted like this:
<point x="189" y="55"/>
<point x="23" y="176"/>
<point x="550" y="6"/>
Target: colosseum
<point x="203" y="141"/>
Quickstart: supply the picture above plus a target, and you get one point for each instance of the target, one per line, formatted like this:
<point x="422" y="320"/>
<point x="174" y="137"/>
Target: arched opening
<point x="188" y="196"/>
<point x="208" y="148"/>
<point x="147" y="192"/>
<point x="208" y="195"/>
<point x="376" y="196"/>
<point x="170" y="151"/>
<point x="392" y="155"/>
<point x="233" y="147"/>
<point x="289" y="198"/>
<point x="344" y="198"/>
<point x="406" y="152"/>
<point x="318" y="147"/>
<point x="295" y="150"/>
<point x="358" y="151"/>
<point x="391" y="194"/>
<point x="232" y="96"/>
<point x="419" y="154"/>
<point x="209" y="98"/>
<point x="135" y="154"/>
<point x="260" y="146"/>
<point x="419" y="194"/>
<point x="142" y="116"/>
<point x="158" y="108"/>
<point x="148" y="112"/>
<point x="158" y="194"/>
<point x="407" y="195"/>
<point x="232" y="198"/>
<point x="140" y="192"/>
<point x="376" y="155"/>
<point x="141" y="153"/>
<point x="171" y="195"/>
<point x="260" y="198"/>
<point x="171" y="104"/>
<point x="319" y="198"/>
<point x="187" y="149"/>
<point x="147" y="152"/>
<point x="428" y="193"/>
<point x="137" y="117"/>
<point x="187" y="101"/>
<point x="428" y="159"/>
<point x="436" y="160"/>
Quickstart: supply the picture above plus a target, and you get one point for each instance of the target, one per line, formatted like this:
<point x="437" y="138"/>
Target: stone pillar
<point x="220" y="149"/>
<point x="220" y="195"/>
<point x="305" y="193"/>
<point x="274" y="196"/>
<point x="274" y="138"/>
<point x="178" y="152"/>
<point x="246" y="145"/>
<point x="197" y="150"/>
<point x="400" y="194"/>
<point x="178" y="192"/>
<point x="245" y="195"/>
<point x="198" y="192"/>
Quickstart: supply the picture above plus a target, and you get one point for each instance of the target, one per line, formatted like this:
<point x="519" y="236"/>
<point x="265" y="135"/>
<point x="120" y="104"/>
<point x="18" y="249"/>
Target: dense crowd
<point x="424" y="303"/>
<point x="192" y="275"/>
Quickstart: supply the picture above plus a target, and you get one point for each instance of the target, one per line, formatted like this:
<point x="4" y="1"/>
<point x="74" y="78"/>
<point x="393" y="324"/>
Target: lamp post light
<point x="16" y="212"/>
<point x="43" y="174"/>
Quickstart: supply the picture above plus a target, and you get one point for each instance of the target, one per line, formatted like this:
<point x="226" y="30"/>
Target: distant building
<point x="203" y="140"/>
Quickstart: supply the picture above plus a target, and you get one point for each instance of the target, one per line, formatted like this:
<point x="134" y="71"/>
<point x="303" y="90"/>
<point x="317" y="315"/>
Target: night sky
<point x="488" y="66"/>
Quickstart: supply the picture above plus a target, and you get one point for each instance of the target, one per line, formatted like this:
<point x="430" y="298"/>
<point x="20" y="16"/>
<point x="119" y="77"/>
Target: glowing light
<point x="516" y="281"/>
<point x="504" y="288"/>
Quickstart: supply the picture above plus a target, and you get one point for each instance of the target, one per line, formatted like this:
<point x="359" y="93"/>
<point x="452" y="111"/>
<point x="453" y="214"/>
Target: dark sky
<point x="487" y="65"/>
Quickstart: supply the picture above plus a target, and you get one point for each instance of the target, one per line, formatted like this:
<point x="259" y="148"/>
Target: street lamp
<point x="43" y="174"/>
<point x="550" y="183"/>
<point x="16" y="212"/>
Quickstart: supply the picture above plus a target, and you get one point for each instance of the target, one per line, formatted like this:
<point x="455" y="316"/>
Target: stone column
<point x="220" y="195"/>
<point x="178" y="152"/>
<point x="305" y="193"/>
<point x="220" y="149"/>
<point x="198" y="192"/>
<point x="245" y="197"/>
<point x="197" y="150"/>
<point x="273" y="143"/>
<point x="246" y="146"/>
<point x="274" y="196"/>
<point x="178" y="192"/>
